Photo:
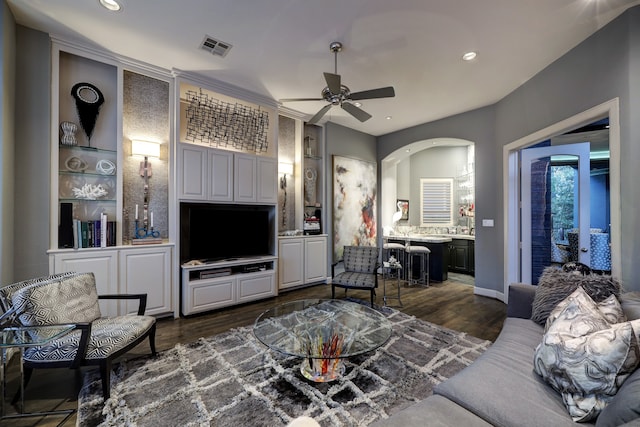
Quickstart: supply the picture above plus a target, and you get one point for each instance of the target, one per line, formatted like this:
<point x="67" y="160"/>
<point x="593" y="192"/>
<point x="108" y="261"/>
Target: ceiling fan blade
<point x="300" y="99"/>
<point x="319" y="114"/>
<point x="356" y="112"/>
<point x="383" y="92"/>
<point x="333" y="82"/>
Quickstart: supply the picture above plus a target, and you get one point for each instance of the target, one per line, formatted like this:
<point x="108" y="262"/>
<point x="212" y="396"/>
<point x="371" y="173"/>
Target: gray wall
<point x="597" y="70"/>
<point x="32" y="154"/>
<point x="476" y="126"/>
<point x="342" y="141"/>
<point x="605" y="66"/>
<point x="7" y="115"/>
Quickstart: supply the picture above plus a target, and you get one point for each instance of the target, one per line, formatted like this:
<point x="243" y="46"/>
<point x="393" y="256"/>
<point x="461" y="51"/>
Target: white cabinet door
<point x="192" y="163"/>
<point x="147" y="271"/>
<point x="290" y="265"/>
<point x="220" y="181"/>
<point x="267" y="184"/>
<point x="315" y="259"/>
<point x="205" y="295"/>
<point x="244" y="174"/>
<point x="255" y="286"/>
<point x="103" y="264"/>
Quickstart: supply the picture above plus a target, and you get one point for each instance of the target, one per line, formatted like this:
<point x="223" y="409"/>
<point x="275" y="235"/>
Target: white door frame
<point x="579" y="150"/>
<point x="511" y="186"/>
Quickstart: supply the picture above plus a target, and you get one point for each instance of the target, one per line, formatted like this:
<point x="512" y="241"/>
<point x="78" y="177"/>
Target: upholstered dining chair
<point x="72" y="298"/>
<point x="360" y="270"/>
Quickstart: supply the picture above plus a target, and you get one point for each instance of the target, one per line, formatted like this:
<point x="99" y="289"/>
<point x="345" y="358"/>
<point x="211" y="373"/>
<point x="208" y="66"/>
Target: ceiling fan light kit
<point x="335" y="93"/>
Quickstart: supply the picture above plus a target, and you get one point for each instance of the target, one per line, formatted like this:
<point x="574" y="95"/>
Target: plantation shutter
<point x="436" y="201"/>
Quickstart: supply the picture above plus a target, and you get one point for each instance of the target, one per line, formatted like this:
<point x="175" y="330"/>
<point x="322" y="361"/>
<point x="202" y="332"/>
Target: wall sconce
<point x="284" y="169"/>
<point x="146" y="149"/>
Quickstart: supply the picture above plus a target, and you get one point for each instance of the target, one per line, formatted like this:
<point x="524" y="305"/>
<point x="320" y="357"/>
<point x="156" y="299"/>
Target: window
<point x="436" y="202"/>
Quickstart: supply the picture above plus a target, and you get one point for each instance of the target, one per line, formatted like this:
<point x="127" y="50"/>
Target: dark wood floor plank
<point x="451" y="304"/>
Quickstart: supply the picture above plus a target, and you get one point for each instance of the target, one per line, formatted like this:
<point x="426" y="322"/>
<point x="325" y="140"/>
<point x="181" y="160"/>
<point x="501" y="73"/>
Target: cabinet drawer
<point x="207" y="295"/>
<point x="253" y="287"/>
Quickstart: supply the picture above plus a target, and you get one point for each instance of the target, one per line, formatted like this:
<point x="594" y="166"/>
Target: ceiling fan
<point x="335" y="93"/>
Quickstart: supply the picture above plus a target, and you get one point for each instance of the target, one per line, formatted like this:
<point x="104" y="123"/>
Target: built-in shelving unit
<point x="302" y="245"/>
<point x="235" y="172"/>
<point x="99" y="105"/>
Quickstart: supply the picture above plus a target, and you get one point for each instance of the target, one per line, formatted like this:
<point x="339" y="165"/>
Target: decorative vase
<point x="69" y="130"/>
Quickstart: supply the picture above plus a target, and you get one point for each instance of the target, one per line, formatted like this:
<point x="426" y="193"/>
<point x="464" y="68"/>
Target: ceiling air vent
<point x="215" y="47"/>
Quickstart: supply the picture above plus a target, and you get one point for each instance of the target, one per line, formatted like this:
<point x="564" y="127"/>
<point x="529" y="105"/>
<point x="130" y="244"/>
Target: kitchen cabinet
<point x="461" y="256"/>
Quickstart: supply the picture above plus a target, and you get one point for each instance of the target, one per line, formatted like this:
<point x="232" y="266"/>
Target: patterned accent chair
<point x="72" y="298"/>
<point x="360" y="270"/>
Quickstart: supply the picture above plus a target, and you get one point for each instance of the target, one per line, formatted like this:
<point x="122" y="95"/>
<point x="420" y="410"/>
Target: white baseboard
<point x="484" y="292"/>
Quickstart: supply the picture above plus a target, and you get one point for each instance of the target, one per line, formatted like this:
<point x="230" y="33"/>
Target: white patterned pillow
<point x="586" y="358"/>
<point x="70" y="300"/>
<point x="610" y="308"/>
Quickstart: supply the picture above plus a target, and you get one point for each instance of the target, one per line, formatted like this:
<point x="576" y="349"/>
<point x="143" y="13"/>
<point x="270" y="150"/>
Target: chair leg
<point x="373" y="294"/>
<point x="28" y="372"/>
<point x="152" y="340"/>
<point x="333" y="292"/>
<point x="105" y="374"/>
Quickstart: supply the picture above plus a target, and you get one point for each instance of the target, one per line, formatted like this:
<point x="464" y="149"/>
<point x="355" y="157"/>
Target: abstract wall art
<point x="354" y="204"/>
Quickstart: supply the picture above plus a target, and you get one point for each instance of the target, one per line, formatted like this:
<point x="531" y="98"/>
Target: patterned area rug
<point x="232" y="379"/>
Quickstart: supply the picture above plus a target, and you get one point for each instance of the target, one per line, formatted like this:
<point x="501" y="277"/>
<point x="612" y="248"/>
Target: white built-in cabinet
<point x="124" y="270"/>
<point x="302" y="260"/>
<point x="120" y="267"/>
<point x="209" y="174"/>
<point x="146" y="270"/>
<point x="226" y="283"/>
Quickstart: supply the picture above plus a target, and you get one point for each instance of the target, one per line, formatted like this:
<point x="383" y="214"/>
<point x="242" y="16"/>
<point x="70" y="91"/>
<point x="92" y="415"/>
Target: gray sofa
<point x="501" y="389"/>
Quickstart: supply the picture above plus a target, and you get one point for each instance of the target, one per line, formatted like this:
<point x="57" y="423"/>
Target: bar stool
<point x="421" y="252"/>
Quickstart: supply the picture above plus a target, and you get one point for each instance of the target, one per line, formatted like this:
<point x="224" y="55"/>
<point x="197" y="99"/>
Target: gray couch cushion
<point x="501" y="387"/>
<point x="630" y="302"/>
<point x="625" y="406"/>
<point x="435" y="411"/>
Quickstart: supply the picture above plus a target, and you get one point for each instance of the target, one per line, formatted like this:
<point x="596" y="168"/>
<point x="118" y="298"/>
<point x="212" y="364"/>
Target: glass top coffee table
<point x="322" y="333"/>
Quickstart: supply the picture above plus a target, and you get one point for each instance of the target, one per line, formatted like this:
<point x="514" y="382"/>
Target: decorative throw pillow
<point x="70" y="300"/>
<point x="585" y="358"/>
<point x="555" y="285"/>
<point x="610" y="309"/>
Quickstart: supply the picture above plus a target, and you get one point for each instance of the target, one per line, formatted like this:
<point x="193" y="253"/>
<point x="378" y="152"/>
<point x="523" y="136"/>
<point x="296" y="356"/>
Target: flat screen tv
<point x="212" y="232"/>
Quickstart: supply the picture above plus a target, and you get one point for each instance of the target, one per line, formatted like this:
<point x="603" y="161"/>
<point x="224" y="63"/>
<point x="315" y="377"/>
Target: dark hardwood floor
<point x="451" y="304"/>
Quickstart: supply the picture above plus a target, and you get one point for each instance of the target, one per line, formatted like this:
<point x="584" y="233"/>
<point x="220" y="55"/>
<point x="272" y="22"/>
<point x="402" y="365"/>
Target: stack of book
<point x="94" y="234"/>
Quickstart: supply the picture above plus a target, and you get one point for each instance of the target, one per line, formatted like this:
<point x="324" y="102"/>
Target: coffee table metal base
<point x="322" y="370"/>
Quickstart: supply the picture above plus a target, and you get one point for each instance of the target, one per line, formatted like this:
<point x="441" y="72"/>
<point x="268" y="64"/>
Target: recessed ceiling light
<point x="469" y="56"/>
<point x="358" y="104"/>
<point x="111" y="5"/>
<point x="388" y="117"/>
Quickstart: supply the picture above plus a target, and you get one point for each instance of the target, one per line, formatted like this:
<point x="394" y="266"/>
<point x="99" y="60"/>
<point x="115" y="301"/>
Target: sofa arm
<point x="520" y="300"/>
<point x="142" y="307"/>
